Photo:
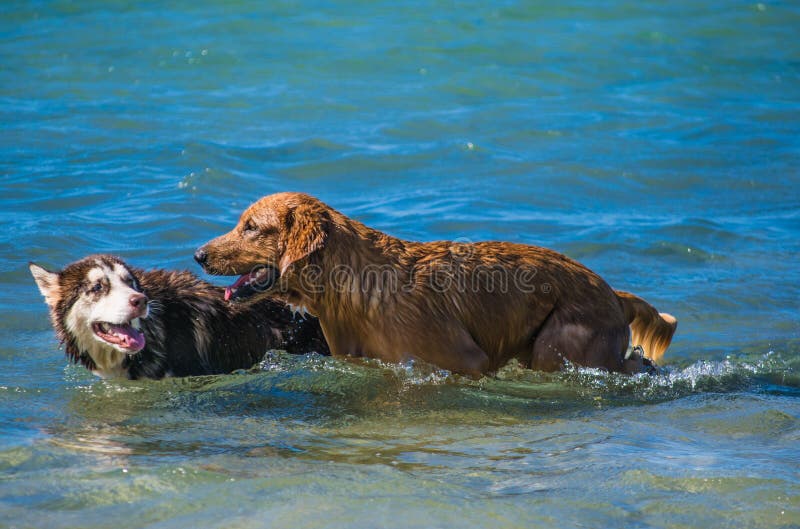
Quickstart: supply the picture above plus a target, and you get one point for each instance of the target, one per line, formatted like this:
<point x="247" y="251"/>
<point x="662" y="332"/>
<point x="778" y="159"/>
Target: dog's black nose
<point x="201" y="256"/>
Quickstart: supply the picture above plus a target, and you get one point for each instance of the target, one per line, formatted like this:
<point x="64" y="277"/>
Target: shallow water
<point x="658" y="144"/>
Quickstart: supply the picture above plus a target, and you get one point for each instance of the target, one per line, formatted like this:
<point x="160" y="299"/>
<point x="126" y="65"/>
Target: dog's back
<point x="204" y="334"/>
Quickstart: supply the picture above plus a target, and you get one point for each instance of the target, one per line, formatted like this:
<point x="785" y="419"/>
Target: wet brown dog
<point x="468" y="308"/>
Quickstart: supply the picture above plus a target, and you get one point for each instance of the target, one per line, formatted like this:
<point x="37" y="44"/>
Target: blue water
<point x="657" y="143"/>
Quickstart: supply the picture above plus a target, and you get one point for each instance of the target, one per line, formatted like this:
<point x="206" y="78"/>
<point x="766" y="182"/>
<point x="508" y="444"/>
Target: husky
<point x="124" y="322"/>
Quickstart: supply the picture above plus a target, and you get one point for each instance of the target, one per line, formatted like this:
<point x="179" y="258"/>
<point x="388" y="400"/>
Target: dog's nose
<point x="138" y="301"/>
<point x="201" y="256"/>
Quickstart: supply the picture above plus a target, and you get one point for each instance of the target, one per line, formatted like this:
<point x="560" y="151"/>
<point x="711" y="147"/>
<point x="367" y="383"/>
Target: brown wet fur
<point x="442" y="302"/>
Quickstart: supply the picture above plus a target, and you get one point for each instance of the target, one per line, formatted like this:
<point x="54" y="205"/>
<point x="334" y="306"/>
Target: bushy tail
<point x="649" y="328"/>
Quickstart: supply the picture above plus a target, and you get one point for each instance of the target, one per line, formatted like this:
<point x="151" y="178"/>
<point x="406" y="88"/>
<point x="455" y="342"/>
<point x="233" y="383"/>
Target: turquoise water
<point x="657" y="143"/>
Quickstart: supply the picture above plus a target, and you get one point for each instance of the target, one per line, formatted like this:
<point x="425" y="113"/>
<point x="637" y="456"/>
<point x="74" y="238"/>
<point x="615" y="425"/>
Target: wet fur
<point x="572" y="314"/>
<point x="190" y="329"/>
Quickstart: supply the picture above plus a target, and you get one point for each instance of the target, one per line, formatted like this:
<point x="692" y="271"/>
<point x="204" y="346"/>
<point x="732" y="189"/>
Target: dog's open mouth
<point x="125" y="336"/>
<point x="259" y="279"/>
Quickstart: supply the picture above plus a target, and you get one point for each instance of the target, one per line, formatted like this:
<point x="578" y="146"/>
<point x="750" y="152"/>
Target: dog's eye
<point x="249" y="227"/>
<point x="97" y="287"/>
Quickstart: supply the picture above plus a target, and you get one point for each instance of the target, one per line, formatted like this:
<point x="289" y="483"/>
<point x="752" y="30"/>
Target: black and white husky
<point x="120" y="321"/>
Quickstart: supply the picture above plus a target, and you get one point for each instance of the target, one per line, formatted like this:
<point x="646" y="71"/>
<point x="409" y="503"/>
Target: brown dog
<point x="468" y="308"/>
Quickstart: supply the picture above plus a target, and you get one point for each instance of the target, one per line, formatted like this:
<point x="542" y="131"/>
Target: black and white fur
<point x="124" y="322"/>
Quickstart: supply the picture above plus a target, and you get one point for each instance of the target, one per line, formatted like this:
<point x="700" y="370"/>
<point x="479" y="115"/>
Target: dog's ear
<point x="47" y="282"/>
<point x="306" y="228"/>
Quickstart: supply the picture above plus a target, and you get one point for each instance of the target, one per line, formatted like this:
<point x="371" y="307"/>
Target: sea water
<point x="658" y="143"/>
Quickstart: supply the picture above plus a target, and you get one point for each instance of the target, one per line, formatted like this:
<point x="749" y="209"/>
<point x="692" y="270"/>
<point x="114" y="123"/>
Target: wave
<point x="768" y="372"/>
<point x="317" y="389"/>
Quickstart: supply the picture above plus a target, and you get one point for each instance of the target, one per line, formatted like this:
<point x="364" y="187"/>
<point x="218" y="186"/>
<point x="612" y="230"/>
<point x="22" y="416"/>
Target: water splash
<point x="766" y="373"/>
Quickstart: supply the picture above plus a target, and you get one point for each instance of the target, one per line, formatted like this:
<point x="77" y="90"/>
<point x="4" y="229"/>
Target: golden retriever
<point x="467" y="308"/>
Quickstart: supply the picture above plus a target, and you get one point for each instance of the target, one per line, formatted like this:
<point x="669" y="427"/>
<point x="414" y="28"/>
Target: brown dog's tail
<point x="649" y="328"/>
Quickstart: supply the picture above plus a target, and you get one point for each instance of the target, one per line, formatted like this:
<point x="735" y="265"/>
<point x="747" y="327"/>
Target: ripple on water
<point x="316" y="388"/>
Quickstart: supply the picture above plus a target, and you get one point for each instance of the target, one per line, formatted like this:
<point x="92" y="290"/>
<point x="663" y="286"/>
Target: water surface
<point x="656" y="143"/>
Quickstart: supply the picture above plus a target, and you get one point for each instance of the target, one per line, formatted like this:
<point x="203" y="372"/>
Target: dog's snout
<point x="138" y="301"/>
<point x="201" y="256"/>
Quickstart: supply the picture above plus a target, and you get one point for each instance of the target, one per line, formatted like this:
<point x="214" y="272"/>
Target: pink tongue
<point x="128" y="337"/>
<point x="239" y="282"/>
